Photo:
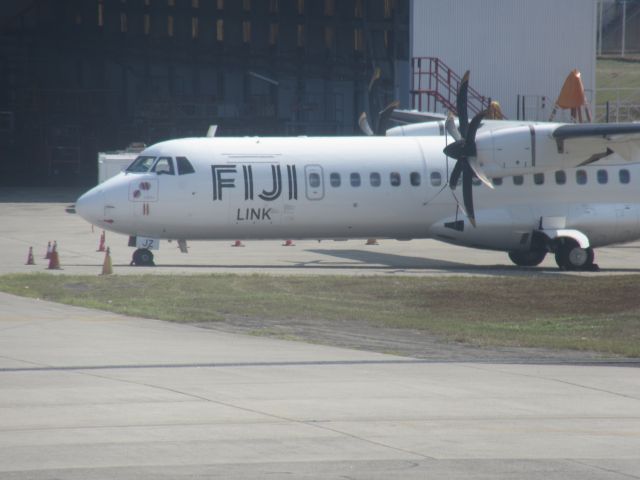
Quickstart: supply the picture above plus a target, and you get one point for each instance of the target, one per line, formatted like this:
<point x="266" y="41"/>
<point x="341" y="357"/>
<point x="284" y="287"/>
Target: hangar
<point x="82" y="76"/>
<point x="519" y="52"/>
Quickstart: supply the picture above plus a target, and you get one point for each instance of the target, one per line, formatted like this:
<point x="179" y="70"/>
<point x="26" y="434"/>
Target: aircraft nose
<point x="90" y="206"/>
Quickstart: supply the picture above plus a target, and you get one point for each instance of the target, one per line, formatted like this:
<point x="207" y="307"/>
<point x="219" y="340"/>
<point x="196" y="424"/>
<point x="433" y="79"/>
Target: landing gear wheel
<point x="527" y="259"/>
<point x="142" y="258"/>
<point x="570" y="256"/>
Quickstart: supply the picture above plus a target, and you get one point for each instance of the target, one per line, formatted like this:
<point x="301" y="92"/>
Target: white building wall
<point x="512" y="47"/>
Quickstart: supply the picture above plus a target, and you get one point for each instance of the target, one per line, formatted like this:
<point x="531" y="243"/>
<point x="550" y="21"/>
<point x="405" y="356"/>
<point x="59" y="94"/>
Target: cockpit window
<point x="164" y="165"/>
<point x="184" y="166"/>
<point x="142" y="164"/>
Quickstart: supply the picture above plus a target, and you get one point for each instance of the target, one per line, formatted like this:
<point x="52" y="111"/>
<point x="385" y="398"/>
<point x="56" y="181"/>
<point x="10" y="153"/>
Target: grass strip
<point x="599" y="313"/>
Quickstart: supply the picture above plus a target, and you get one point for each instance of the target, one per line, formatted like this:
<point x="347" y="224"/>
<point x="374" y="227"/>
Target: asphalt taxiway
<point x="92" y="395"/>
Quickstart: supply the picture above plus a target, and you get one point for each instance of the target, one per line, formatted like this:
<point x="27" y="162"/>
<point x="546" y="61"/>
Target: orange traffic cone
<point x="30" y="259"/>
<point x="107" y="267"/>
<point x="237" y="243"/>
<point x="372" y="241"/>
<point x="54" y="260"/>
<point x="101" y="246"/>
<point x="48" y="254"/>
<point x="288" y="243"/>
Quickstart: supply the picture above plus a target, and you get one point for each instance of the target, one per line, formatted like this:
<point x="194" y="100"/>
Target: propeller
<point x="383" y="119"/>
<point x="383" y="115"/>
<point x="463" y="150"/>
<point x="363" y="121"/>
<point x="377" y="73"/>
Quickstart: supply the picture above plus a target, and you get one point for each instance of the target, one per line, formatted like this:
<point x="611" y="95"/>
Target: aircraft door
<point x="314" y="182"/>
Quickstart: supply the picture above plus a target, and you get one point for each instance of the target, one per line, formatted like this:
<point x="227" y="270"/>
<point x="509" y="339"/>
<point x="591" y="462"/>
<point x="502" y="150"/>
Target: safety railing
<point x="434" y="84"/>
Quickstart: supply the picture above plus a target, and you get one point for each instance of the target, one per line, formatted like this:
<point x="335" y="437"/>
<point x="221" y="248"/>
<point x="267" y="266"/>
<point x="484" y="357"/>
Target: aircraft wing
<point x="599" y="139"/>
<point x="413" y="122"/>
<point x="405" y="117"/>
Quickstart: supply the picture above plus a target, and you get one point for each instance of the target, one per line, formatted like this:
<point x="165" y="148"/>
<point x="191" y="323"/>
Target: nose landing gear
<point x="142" y="257"/>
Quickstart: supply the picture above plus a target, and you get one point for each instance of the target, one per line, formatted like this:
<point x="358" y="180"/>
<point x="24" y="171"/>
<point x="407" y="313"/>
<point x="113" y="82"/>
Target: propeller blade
<point x="459" y="203"/>
<point x="451" y="127"/>
<point x="467" y="193"/>
<point x="212" y="131"/>
<point x="384" y="116"/>
<point x="461" y="104"/>
<point x="363" y="121"/>
<point x="375" y="77"/>
<point x="455" y="175"/>
<point x="372" y="99"/>
<point x="470" y="138"/>
<point x="473" y="163"/>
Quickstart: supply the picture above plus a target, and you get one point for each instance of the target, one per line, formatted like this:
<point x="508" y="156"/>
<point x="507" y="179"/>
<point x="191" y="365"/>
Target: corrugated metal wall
<point x="512" y="47"/>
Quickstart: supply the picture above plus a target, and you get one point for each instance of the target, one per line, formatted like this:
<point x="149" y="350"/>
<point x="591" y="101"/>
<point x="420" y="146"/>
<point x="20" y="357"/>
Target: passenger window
<point x="561" y="177"/>
<point x="603" y="177"/>
<point x="518" y="180"/>
<point x="164" y="166"/>
<point x="334" y="179"/>
<point x="436" y="179"/>
<point x="184" y="166"/>
<point x="394" y="178"/>
<point x="497" y="181"/>
<point x="581" y="177"/>
<point x="355" y="179"/>
<point x="141" y="164"/>
<point x="415" y="179"/>
<point x="314" y="180"/>
<point x="624" y="175"/>
<point x="538" y="178"/>
<point x="375" y="180"/>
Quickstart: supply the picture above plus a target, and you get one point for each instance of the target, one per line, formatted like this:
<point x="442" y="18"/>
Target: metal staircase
<point x="434" y="85"/>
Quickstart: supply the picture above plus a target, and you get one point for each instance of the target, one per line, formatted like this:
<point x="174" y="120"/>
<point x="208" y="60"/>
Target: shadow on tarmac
<point x="389" y="260"/>
<point x="391" y="263"/>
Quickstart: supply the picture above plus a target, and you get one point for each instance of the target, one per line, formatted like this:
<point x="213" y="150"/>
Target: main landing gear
<point x="528" y="259"/>
<point x="568" y="253"/>
<point x="570" y="256"/>
<point x="142" y="257"/>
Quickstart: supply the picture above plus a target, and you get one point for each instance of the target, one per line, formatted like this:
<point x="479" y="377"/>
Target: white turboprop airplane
<point x="553" y="190"/>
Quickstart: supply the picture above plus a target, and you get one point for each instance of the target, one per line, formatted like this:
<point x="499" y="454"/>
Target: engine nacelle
<point x="524" y="150"/>
<point x="426" y="129"/>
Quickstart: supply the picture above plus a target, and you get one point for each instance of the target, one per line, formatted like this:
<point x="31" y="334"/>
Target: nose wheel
<point x="142" y="257"/>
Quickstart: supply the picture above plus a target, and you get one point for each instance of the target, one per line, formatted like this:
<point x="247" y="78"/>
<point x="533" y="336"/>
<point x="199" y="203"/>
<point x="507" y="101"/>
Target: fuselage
<point x="352" y="187"/>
